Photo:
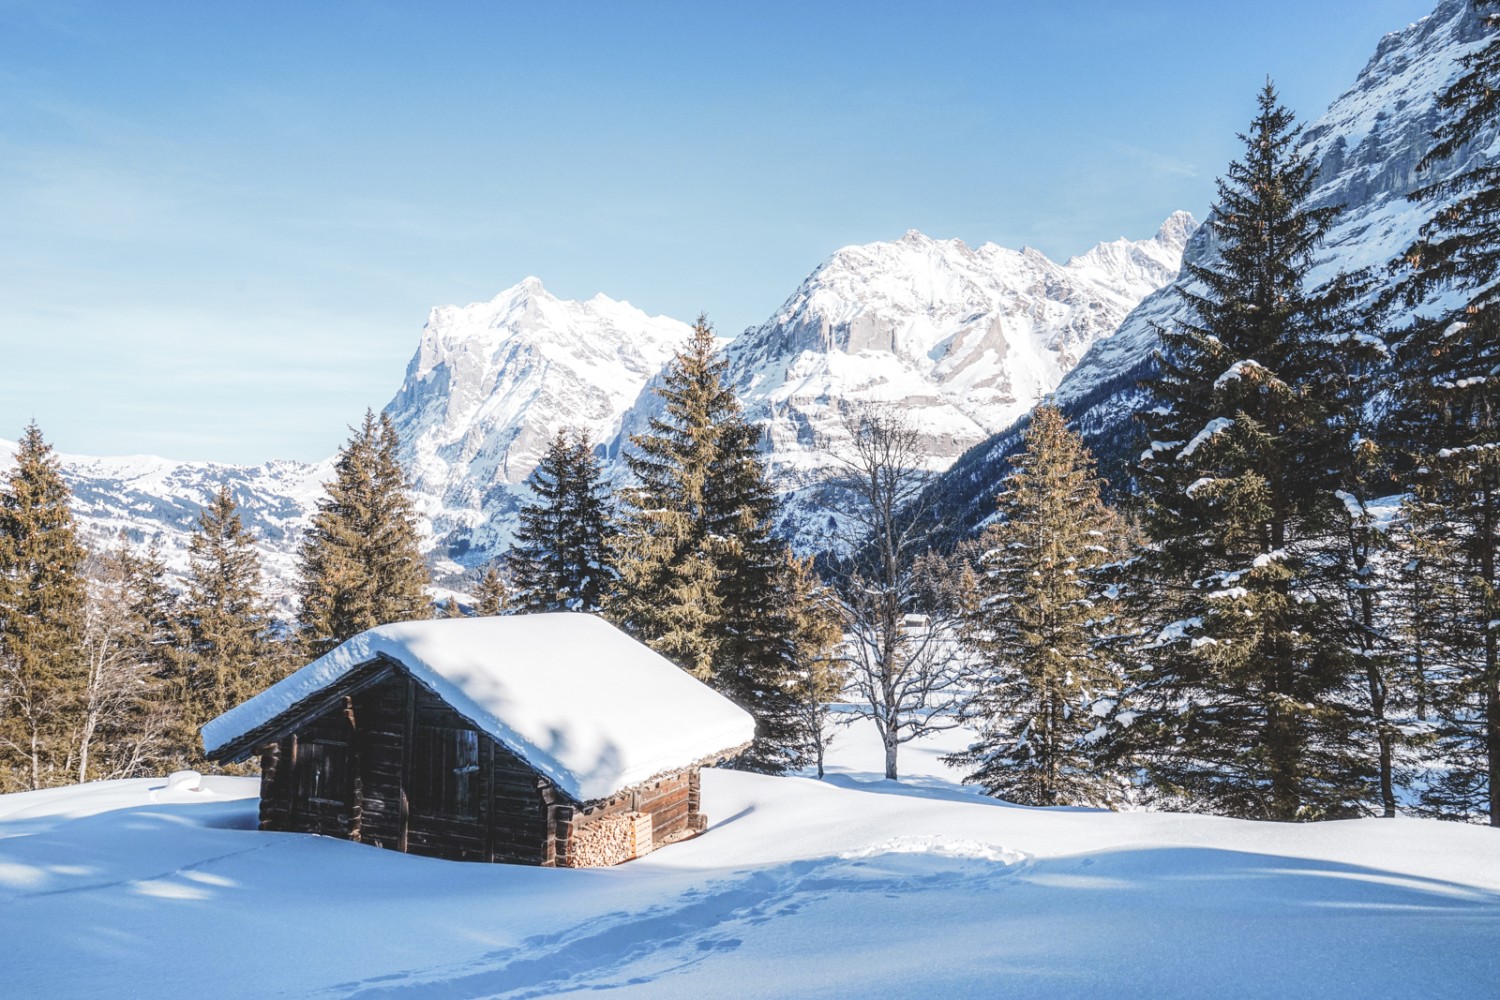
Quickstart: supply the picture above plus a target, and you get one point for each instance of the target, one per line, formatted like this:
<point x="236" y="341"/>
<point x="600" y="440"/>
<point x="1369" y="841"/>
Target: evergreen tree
<point x="492" y="596"/>
<point x="666" y="556"/>
<point x="1450" y="414"/>
<point x="1357" y="377"/>
<point x="762" y="634"/>
<point x="42" y="668"/>
<point x="361" y="565"/>
<point x="155" y="608"/>
<point x="228" y="654"/>
<point x="561" y="561"/>
<point x="1037" y="627"/>
<point x="821" y="671"/>
<point x="699" y="568"/>
<point x="1248" y="703"/>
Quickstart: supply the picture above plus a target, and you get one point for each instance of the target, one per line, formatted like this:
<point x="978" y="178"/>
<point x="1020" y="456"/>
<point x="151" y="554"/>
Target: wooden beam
<point x="408" y="735"/>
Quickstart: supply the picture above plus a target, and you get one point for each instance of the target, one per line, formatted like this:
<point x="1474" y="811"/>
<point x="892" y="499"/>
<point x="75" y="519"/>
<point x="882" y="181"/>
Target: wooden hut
<point x="549" y="739"/>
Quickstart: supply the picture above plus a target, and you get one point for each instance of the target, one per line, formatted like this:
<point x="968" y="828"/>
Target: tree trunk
<point x="1491" y="658"/>
<point x="36" y="759"/>
<point x="83" y="747"/>
<point x="890" y="756"/>
<point x="1492" y="726"/>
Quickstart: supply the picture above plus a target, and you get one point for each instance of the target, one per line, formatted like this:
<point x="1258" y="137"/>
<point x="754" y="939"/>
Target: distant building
<point x="549" y="739"/>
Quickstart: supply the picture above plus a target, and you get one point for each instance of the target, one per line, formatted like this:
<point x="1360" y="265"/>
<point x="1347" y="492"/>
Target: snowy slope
<point x="1366" y="146"/>
<point x="852" y="887"/>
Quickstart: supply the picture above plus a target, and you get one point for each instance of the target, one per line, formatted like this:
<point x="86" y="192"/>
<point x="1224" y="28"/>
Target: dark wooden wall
<point x="378" y="723"/>
<point x="520" y="817"/>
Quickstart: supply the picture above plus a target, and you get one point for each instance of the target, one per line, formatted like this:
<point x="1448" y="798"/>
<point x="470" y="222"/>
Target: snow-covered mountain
<point x="963" y="339"/>
<point x="146" y="498"/>
<point x="1366" y="145"/>
<point x="493" y="381"/>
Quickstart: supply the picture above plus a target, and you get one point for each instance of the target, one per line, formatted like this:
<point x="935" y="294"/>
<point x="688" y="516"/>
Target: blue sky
<point x="222" y="224"/>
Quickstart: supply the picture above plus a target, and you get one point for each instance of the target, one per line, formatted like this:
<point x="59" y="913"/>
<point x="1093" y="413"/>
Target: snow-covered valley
<point x="848" y="887"/>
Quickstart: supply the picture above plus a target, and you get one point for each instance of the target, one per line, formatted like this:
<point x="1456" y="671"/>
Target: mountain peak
<point x="1178" y="229"/>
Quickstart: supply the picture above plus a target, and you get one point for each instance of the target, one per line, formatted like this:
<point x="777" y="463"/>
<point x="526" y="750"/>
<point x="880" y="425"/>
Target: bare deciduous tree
<point x="114" y="714"/>
<point x="898" y="599"/>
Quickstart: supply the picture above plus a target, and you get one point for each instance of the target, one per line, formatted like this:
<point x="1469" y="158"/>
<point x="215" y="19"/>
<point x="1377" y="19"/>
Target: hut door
<point x="322" y="783"/>
<point x="446" y="773"/>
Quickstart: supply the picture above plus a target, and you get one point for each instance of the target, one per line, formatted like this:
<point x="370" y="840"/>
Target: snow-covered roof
<point x="583" y="703"/>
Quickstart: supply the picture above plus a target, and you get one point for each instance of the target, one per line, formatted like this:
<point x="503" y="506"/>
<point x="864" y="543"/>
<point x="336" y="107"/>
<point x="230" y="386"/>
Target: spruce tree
<point x="360" y="560"/>
<point x="228" y="654"/>
<point x="42" y="670"/>
<point x="155" y="607"/>
<point x="492" y="598"/>
<point x="1039" y="628"/>
<point x="667" y="595"/>
<point x="1449" y="414"/>
<point x="763" y="636"/>
<point x="698" y="566"/>
<point x="820" y="672"/>
<point x="1248" y="702"/>
<point x="561" y="559"/>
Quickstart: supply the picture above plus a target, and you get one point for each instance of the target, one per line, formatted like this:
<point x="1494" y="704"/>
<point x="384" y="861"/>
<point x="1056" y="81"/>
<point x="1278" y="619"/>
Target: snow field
<point x="849" y="887"/>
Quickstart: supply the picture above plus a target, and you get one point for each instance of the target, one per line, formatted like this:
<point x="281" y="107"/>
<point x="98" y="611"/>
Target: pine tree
<point x="155" y="608"/>
<point x="561" y="560"/>
<point x="762" y="635"/>
<point x="492" y="598"/>
<point x="42" y="668"/>
<point x="228" y="652"/>
<point x="361" y="564"/>
<point x="1357" y="376"/>
<point x="1449" y="413"/>
<point x="667" y="594"/>
<point x="1039" y="628"/>
<point x="820" y="669"/>
<point x="698" y="566"/>
<point x="1248" y="700"/>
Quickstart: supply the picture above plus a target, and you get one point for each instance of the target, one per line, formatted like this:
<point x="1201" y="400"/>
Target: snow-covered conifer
<point x="1039" y="623"/>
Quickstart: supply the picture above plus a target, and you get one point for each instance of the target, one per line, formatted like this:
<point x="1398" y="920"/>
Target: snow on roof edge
<point x="615" y="741"/>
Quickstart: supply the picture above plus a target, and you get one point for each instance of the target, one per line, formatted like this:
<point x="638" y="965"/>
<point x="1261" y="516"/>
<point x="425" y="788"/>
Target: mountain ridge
<point x="491" y="381"/>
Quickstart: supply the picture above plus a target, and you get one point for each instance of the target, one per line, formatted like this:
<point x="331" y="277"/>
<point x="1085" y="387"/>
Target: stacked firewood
<point x="610" y="840"/>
